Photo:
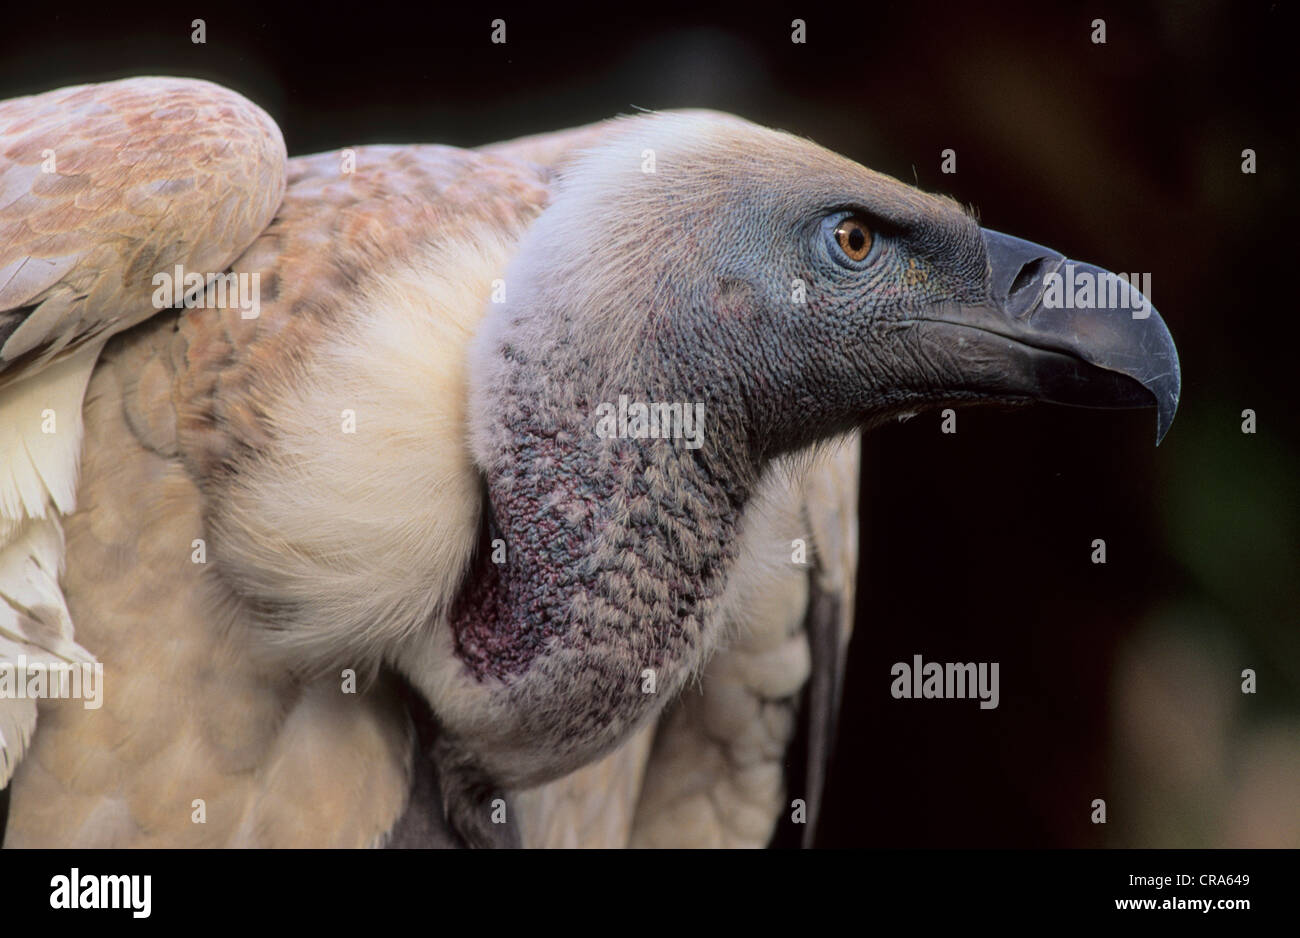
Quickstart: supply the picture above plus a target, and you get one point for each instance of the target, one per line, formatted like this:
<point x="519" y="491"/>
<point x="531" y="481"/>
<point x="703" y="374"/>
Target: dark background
<point x="1118" y="681"/>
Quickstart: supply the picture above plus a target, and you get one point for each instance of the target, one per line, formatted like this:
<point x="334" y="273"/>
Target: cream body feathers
<point x="38" y="475"/>
<point x="361" y="516"/>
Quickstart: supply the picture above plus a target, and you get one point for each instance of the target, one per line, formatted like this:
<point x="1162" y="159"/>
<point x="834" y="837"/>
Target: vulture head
<point x="797" y="295"/>
<point x="701" y="297"/>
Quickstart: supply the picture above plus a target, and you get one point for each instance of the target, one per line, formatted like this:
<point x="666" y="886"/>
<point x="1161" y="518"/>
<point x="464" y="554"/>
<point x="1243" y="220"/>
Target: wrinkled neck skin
<point x="596" y="539"/>
<point x="594" y="593"/>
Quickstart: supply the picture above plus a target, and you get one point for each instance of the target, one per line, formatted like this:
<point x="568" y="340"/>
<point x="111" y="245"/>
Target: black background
<point x="975" y="546"/>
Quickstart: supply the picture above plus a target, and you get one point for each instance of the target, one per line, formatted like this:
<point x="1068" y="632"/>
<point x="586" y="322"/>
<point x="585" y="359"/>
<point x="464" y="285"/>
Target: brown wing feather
<point x="104" y="186"/>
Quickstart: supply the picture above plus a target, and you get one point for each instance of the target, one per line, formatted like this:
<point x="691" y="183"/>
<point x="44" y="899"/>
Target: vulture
<point x="425" y="496"/>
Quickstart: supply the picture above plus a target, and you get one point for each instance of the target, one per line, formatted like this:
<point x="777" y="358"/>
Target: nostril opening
<point x="1028" y="274"/>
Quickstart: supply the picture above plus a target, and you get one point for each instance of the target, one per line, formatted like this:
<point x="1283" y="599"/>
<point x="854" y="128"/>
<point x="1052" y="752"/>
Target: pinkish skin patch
<point x="506" y="614"/>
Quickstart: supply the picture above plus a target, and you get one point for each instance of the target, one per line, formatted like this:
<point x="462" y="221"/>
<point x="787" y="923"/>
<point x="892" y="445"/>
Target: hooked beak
<point x="1056" y="330"/>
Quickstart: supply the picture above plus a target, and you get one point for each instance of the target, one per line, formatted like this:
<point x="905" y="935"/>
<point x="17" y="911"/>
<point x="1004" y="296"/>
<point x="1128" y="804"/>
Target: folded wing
<point x="102" y="187"/>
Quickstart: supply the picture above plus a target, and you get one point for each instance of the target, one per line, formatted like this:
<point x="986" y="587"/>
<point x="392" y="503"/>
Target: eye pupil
<point x="854" y="238"/>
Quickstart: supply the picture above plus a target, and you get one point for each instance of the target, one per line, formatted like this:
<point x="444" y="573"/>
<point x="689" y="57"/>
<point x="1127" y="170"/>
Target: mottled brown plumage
<point x="105" y="185"/>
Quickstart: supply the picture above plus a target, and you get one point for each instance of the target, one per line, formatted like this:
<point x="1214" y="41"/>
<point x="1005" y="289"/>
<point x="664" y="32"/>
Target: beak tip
<point x="1167" y="404"/>
<point x="1164" y="420"/>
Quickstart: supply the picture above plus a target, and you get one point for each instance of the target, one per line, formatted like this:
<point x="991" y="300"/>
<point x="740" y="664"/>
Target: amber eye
<point x="853" y="237"/>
